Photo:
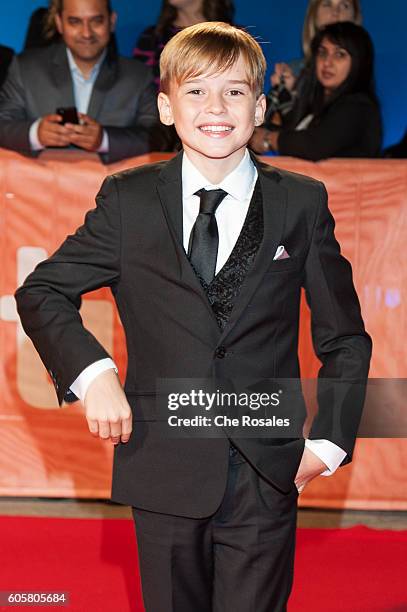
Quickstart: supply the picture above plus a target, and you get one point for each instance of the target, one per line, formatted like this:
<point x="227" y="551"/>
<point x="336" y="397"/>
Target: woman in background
<point x="321" y="13"/>
<point x="290" y="81"/>
<point x="341" y="116"/>
<point x="175" y="15"/>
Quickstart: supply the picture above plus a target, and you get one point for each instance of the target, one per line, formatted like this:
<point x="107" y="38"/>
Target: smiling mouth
<point x="328" y="75"/>
<point x="216" y="129"/>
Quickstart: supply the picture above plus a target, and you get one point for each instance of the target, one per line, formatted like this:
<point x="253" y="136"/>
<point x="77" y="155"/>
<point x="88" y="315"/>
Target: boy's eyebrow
<point x="239" y="82"/>
<point x="230" y="81"/>
<point x="188" y="81"/>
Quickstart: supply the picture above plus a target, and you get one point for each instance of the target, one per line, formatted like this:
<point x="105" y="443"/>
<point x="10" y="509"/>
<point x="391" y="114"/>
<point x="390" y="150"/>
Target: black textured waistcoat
<point x="223" y="291"/>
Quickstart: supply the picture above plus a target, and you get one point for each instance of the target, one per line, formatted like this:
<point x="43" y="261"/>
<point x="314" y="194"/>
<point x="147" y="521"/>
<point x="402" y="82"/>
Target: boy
<point x="205" y="255"/>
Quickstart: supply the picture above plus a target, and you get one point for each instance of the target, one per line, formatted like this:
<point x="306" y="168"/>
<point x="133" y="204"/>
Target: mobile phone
<point x="69" y="114"/>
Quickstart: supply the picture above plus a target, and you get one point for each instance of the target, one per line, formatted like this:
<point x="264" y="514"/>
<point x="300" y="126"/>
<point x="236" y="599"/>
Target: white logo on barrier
<point x="33" y="382"/>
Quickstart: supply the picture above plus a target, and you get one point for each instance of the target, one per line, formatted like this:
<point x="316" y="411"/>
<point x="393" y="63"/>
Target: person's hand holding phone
<point x="88" y="134"/>
<point x="283" y="74"/>
<point x="52" y="133"/>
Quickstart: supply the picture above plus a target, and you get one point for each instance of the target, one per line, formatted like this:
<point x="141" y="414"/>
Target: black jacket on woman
<point x="349" y="127"/>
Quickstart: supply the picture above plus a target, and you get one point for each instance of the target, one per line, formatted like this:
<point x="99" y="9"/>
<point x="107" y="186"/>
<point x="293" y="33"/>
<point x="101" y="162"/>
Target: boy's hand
<point x="107" y="410"/>
<point x="310" y="467"/>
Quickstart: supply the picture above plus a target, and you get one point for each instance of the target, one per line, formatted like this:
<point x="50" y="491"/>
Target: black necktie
<point x="204" y="240"/>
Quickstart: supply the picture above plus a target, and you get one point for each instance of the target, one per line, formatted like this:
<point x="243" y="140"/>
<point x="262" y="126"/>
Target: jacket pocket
<point x="285" y="265"/>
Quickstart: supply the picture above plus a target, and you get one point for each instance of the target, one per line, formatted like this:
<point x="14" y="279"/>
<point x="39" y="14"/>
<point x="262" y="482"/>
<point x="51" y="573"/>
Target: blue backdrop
<point x="278" y="24"/>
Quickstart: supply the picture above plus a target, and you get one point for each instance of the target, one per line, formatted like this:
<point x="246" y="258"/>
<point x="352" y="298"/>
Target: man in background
<point x="114" y="96"/>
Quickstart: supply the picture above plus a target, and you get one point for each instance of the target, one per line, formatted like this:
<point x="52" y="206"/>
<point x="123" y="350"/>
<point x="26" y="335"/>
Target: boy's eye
<point x="235" y="92"/>
<point x="196" y="92"/>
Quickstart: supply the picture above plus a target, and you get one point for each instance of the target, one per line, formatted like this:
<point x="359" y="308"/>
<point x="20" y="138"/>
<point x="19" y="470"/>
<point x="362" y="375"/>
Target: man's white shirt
<point x="230" y="217"/>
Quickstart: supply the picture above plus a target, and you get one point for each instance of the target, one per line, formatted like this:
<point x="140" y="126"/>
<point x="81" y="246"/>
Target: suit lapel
<point x="169" y="189"/>
<point x="61" y="75"/>
<point x="274" y="209"/>
<point x="105" y="80"/>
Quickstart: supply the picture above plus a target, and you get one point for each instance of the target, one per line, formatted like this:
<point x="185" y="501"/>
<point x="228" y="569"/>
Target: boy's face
<point x="214" y="115"/>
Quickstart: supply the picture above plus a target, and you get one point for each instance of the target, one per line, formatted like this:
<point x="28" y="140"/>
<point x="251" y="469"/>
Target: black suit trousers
<point x="239" y="559"/>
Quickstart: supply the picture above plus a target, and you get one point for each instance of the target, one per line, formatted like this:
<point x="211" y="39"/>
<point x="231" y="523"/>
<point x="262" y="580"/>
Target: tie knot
<point x="210" y="200"/>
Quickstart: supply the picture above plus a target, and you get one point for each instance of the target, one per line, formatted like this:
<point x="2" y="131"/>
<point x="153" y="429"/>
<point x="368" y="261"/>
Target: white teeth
<point x="216" y="128"/>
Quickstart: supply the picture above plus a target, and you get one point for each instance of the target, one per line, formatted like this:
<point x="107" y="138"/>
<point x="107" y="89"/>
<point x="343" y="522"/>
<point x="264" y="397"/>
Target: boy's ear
<point x="260" y="110"/>
<point x="164" y="109"/>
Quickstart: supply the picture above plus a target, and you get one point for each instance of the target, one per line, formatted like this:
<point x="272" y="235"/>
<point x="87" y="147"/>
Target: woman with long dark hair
<point x="175" y="15"/>
<point x="291" y="80"/>
<point x="340" y="117"/>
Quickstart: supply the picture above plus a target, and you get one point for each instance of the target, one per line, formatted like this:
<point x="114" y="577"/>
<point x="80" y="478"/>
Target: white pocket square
<point x="281" y="253"/>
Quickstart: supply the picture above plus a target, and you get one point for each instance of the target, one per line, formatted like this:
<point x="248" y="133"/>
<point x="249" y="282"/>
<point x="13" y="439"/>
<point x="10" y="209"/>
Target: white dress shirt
<point x="82" y="90"/>
<point x="230" y="216"/>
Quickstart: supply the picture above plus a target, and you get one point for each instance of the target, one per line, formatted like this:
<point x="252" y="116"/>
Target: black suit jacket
<point x="349" y="127"/>
<point x="123" y="101"/>
<point x="132" y="242"/>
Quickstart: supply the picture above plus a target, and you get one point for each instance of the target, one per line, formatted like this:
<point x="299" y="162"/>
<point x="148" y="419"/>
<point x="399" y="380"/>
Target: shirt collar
<point x="75" y="70"/>
<point x="238" y="183"/>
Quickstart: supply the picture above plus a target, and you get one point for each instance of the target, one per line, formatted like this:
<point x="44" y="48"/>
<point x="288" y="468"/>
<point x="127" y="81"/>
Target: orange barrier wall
<point x="47" y="451"/>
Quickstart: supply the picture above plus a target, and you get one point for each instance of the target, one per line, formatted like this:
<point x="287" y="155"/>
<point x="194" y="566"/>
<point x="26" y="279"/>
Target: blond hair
<point x="310" y="23"/>
<point x="211" y="47"/>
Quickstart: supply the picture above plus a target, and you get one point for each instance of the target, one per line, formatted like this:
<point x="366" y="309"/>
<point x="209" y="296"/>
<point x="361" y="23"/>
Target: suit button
<point x="220" y="352"/>
<point x="232" y="451"/>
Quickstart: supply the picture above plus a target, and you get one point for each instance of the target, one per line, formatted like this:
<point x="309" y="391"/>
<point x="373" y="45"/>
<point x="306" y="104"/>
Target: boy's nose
<point x="215" y="104"/>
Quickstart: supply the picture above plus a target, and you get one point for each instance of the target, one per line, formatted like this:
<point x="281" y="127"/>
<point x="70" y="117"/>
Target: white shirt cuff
<point x="331" y="454"/>
<point x="81" y="384"/>
<point x="33" y="136"/>
<point x="104" y="145"/>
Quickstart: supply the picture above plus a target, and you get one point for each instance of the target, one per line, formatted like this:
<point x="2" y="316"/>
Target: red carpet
<point x="348" y="570"/>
